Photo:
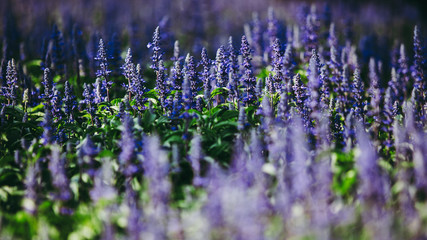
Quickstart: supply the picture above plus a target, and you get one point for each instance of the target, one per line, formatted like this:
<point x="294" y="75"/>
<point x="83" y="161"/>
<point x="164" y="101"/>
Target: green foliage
<point x="344" y="173"/>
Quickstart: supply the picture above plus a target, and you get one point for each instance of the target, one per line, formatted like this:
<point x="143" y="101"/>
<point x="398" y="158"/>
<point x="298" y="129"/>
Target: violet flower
<point x="195" y="158"/>
<point x="157" y="54"/>
<point x="103" y="70"/>
<point x="10" y="90"/>
<point x="59" y="179"/>
<point x="190" y="73"/>
<point x="161" y="84"/>
<point x="49" y="131"/>
<point x="113" y="54"/>
<point x="127" y="146"/>
<point x="57" y="51"/>
<point x="31" y="188"/>
<point x="86" y="155"/>
<point x="70" y="103"/>
<point x="205" y="74"/>
<point x="221" y="64"/>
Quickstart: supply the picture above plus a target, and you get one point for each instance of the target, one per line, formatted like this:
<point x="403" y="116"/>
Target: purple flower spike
<point x="57" y="170"/>
<point x="127" y="145"/>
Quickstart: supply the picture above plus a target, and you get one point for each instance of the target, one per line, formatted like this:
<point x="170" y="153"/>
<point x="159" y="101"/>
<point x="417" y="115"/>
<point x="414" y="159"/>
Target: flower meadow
<point x="295" y="125"/>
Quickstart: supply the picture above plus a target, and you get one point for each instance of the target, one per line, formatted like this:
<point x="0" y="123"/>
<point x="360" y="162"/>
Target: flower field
<point x="298" y="123"/>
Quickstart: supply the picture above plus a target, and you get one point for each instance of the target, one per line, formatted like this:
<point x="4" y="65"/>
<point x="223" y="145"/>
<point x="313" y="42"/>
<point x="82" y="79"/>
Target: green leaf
<point x="225" y="124"/>
<point x="106" y="153"/>
<point x="37" y="108"/>
<point x="176" y="137"/>
<point x="219" y="91"/>
<point x="148" y="119"/>
<point x="163" y="119"/>
<point x="35" y="62"/>
<point x="228" y="114"/>
<point x="116" y="101"/>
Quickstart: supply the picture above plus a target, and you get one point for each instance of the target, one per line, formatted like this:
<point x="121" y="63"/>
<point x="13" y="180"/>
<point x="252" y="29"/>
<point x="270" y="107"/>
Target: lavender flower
<point x="205" y="75"/>
<point x="48" y="86"/>
<point x="127" y="145"/>
<point x="221" y="67"/>
<point x="46" y="58"/>
<point x="278" y="65"/>
<point x="113" y="54"/>
<point x="242" y="123"/>
<point x="195" y="158"/>
<point x="87" y="94"/>
<point x="134" y="228"/>
<point x="101" y="57"/>
<point x="396" y="86"/>
<point x="269" y="84"/>
<point x="157" y="55"/>
<point x="31" y="188"/>
<point x="267" y="114"/>
<point x="420" y="84"/>
<point x="129" y="72"/>
<point x="245" y="50"/>
<point x="139" y="88"/>
<point x="57" y="106"/>
<point x="86" y="155"/>
<point x="343" y="90"/>
<point x="357" y="95"/>
<point x="419" y="62"/>
<point x="374" y="90"/>
<point x="250" y="83"/>
<point x="81" y="60"/>
<point x="176" y="109"/>
<point x="89" y="101"/>
<point x="334" y="66"/>
<point x="103" y="70"/>
<point x="300" y="94"/>
<point x="233" y="64"/>
<point x="57" y="170"/>
<point x="371" y="189"/>
<point x="288" y="65"/>
<point x="311" y="32"/>
<point x="10" y="91"/>
<point x="403" y="70"/>
<point x="161" y="84"/>
<point x="186" y="94"/>
<point x="276" y="56"/>
<point x="420" y="161"/>
<point x="325" y="87"/>
<point x="156" y="171"/>
<point x="256" y="34"/>
<point x="49" y="132"/>
<point x="332" y="38"/>
<point x="176" y="75"/>
<point x="272" y="30"/>
<point x="69" y="102"/>
<point x="176" y="51"/>
<point x="314" y="83"/>
<point x="283" y="109"/>
<point x="190" y="74"/>
<point x="57" y="51"/>
<point x="300" y="161"/>
<point x="98" y="91"/>
<point x="103" y="183"/>
<point x="233" y="89"/>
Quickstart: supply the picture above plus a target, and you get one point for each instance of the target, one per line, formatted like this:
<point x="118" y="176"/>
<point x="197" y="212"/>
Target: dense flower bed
<point x="288" y="132"/>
